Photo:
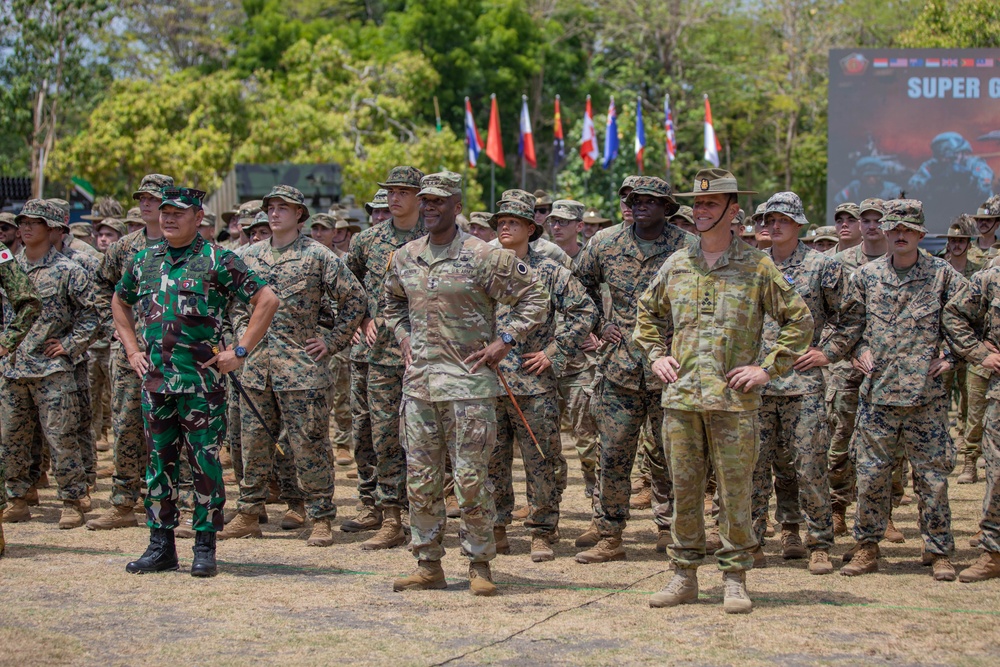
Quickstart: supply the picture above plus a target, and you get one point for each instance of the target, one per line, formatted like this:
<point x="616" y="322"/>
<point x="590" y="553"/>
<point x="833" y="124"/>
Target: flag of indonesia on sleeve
<point x="526" y="147"/>
<point x="473" y="144"/>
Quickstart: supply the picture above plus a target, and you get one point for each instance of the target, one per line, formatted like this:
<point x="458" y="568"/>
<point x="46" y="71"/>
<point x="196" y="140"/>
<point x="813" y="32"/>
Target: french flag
<point x="640" y="135"/>
<point x="526" y="146"/>
<point x="712" y="145"/>
<point x="473" y="143"/>
<point x="588" y="142"/>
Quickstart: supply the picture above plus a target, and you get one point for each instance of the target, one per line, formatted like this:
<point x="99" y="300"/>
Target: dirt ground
<point x="66" y="600"/>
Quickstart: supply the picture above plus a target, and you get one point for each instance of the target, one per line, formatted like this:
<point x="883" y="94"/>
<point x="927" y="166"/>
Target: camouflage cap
<point x="685" y="212"/>
<point x="758" y="214"/>
<point x="518" y="209"/>
<point x="256" y="220"/>
<point x="134" y="217"/>
<point x="748" y="231"/>
<point x="324" y="220"/>
<point x="627" y="185"/>
<point x="906" y="212"/>
<point x="872" y="204"/>
<point x="153" y="184"/>
<point x="522" y="196"/>
<point x="44" y="209"/>
<point x="566" y="209"/>
<point x="104" y="207"/>
<point x="208" y="218"/>
<point x="741" y="215"/>
<point x="228" y="215"/>
<point x="715" y="182"/>
<point x="989" y="209"/>
<point x="64" y="207"/>
<point x="81" y="230"/>
<point x="440" y="184"/>
<point x="849" y="208"/>
<point x="824" y="233"/>
<point x="248" y="210"/>
<point x="479" y="218"/>
<point x="112" y="223"/>
<point x="962" y="227"/>
<point x="380" y="200"/>
<point x="346" y="223"/>
<point x="7" y="219"/>
<point x="593" y="217"/>
<point x="652" y="186"/>
<point x="542" y="198"/>
<point x="404" y="177"/>
<point x="289" y="194"/>
<point x="787" y="203"/>
<point x="182" y="197"/>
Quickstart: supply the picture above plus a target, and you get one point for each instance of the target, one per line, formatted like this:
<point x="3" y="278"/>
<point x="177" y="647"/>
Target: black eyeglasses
<point x="561" y="222"/>
<point x="543" y="211"/>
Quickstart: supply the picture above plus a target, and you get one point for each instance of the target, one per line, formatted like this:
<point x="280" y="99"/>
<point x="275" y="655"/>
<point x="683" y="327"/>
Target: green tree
<point x="950" y="25"/>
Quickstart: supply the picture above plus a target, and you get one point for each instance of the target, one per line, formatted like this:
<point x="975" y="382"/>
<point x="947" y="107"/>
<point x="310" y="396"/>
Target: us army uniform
<point x="446" y="307"/>
<point x="711" y="320"/>
<point x="287" y="385"/>
<point x="180" y="304"/>
<point x="792" y="413"/>
<point x="628" y="392"/>
<point x="903" y="410"/>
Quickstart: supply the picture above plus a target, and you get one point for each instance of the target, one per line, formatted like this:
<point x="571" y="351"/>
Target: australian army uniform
<point x="628" y="393"/>
<point x="287" y="385"/>
<point x="537" y="394"/>
<point x="179" y="297"/>
<point x="445" y="304"/>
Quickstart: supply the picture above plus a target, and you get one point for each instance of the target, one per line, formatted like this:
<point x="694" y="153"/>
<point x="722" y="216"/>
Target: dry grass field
<point x="66" y="600"/>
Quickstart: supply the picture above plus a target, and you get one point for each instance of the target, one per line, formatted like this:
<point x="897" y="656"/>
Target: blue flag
<point x="611" y="136"/>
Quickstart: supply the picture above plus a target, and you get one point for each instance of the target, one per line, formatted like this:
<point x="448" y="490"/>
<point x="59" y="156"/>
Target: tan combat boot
<point x="368" y="517"/>
<point x="791" y="543"/>
<point x="17" y="511"/>
<point x="72" y="515"/>
<point x="735" y="599"/>
<point x="106" y="472"/>
<point x="500" y="537"/>
<point x="969" y="474"/>
<point x="118" y="516"/>
<point x="942" y="569"/>
<point x="541" y="549"/>
<point x="31" y="497"/>
<point x="321" y="535"/>
<point x="839" y="521"/>
<point x="759" y="559"/>
<point x="976" y="539"/>
<point x="521" y="513"/>
<point x="893" y="534"/>
<point x="986" y="567"/>
<point x="863" y="561"/>
<point x="343" y="456"/>
<point x="682" y="589"/>
<point x="243" y="525"/>
<point x="185" y="526"/>
<point x="663" y="540"/>
<point x="451" y="508"/>
<point x="225" y="457"/>
<point x="642" y="500"/>
<point x="713" y="542"/>
<point x="391" y="533"/>
<point x="608" y="549"/>
<point x="481" y="580"/>
<point x="295" y="516"/>
<point x="590" y="537"/>
<point x="819" y="562"/>
<point x="428" y="576"/>
<point x="849" y="554"/>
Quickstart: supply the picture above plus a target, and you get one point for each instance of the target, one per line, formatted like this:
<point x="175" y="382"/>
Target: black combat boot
<point x="203" y="564"/>
<point x="160" y="555"/>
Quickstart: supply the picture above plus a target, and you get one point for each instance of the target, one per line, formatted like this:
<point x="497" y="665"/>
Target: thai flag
<point x="610" y="136"/>
<point x="559" y="145"/>
<point x="712" y="145"/>
<point x="588" y="142"/>
<point x="473" y="144"/>
<point x="640" y="135"/>
<point x="669" y="127"/>
<point x="526" y="144"/>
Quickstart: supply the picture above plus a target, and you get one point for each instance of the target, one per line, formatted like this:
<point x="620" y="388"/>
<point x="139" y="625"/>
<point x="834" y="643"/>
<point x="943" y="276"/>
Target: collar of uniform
<point x="290" y="253"/>
<point x="661" y="244"/>
<point x="47" y="259"/>
<point x="797" y="257"/>
<point x="196" y="245"/>
<point x="737" y="250"/>
<point x="423" y="250"/>
<point x="919" y="271"/>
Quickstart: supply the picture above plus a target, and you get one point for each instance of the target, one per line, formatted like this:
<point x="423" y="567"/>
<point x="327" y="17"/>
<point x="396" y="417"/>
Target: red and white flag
<point x="712" y="145"/>
<point x="527" y="142"/>
<point x="668" y="125"/>
<point x="588" y="143"/>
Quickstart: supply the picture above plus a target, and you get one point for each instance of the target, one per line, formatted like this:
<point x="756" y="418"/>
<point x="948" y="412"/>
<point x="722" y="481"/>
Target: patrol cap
<point x="542" y="198"/>
<point x="440" y="184"/>
<point x="479" y="218"/>
<point x="104" y="207"/>
<point x="324" y="220"/>
<point x="343" y="222"/>
<point x="849" y="208"/>
<point x="758" y="214"/>
<point x="289" y="194"/>
<point x="989" y="209"/>
<point x="715" y="182"/>
<point x="153" y="184"/>
<point x="652" y="186"/>
<point x="64" y="207"/>
<point x="181" y="197"/>
<point x="908" y="213"/>
<point x="789" y="204"/>
<point x="7" y="219"/>
<point x="228" y="215"/>
<point x="566" y="209"/>
<point x="259" y="218"/>
<point x="208" y="219"/>
<point x="248" y="210"/>
<point x="82" y="230"/>
<point x="685" y="212"/>
<point x="962" y="227"/>
<point x="380" y="200"/>
<point x="627" y="185"/>
<point x="824" y="233"/>
<point x="872" y="204"/>
<point x="43" y="209"/>
<point x="134" y="217"/>
<point x="517" y="208"/>
<point x="404" y="177"/>
<point x="112" y="223"/>
<point x="593" y="217"/>
<point x="741" y="215"/>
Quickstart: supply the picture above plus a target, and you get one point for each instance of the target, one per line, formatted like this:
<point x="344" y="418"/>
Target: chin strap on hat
<point x="729" y="201"/>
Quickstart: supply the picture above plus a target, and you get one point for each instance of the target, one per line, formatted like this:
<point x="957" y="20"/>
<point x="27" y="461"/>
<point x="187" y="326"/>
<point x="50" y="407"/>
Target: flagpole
<point x="666" y="153"/>
<point x="524" y="151"/>
<point x="493" y="186"/>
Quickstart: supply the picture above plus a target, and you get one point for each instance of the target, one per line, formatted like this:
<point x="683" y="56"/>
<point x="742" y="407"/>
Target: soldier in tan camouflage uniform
<point x="479" y="226"/>
<point x="792" y="414"/>
<point x="628" y="393"/>
<point x="39" y="386"/>
<point x="286" y="375"/>
<point x="532" y="371"/>
<point x="441" y="297"/>
<point x="699" y="325"/>
<point x="987" y="221"/>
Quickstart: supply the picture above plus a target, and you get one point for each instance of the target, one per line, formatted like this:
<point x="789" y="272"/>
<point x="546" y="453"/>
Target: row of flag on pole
<point x="590" y="151"/>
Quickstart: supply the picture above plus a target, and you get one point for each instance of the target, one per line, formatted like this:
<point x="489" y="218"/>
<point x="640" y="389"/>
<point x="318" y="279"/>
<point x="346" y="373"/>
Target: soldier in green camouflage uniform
<point x="532" y="370"/>
<point x="129" y="453"/>
<point x="699" y="326"/>
<point x="628" y="393"/>
<point x="21" y="307"/>
<point x="370" y="258"/>
<point x="286" y="376"/>
<point x="179" y="292"/>
<point x="440" y="302"/>
<point x="893" y="328"/>
<point x="792" y="413"/>
<point x="39" y="388"/>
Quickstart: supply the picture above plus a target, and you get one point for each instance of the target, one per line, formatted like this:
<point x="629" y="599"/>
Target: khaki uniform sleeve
<point x="964" y="314"/>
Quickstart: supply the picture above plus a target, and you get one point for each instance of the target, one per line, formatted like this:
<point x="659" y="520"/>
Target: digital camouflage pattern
<point x="545" y="248"/>
<point x="907" y="213"/>
<point x="990" y="523"/>
<point x="21" y="303"/>
<point x="43" y="209"/>
<point x="403" y="177"/>
<point x="153" y="184"/>
<point x="567" y="209"/>
<point x="788" y="204"/>
<point x="179" y="306"/>
<point x="385" y="393"/>
<point x="290" y="195"/>
<point x="361" y="433"/>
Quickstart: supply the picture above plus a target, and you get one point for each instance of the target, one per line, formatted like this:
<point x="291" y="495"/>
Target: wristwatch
<point x="507" y="338"/>
<point x="241" y="352"/>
